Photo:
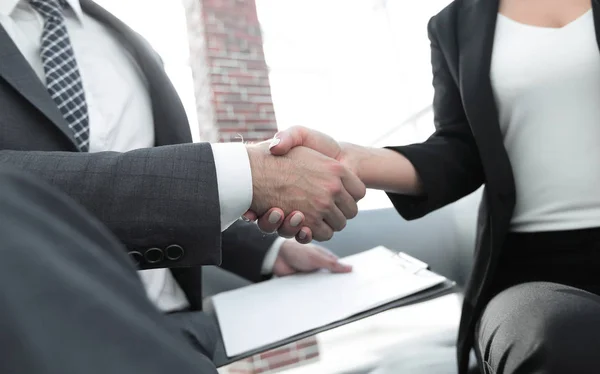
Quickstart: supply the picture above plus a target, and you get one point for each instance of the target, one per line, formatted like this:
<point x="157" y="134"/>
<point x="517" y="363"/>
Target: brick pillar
<point x="231" y="77"/>
<point x="296" y="354"/>
<point x="233" y="96"/>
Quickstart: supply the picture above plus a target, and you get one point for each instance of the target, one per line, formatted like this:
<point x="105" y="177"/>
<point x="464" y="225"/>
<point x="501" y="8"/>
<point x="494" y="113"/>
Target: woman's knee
<point x="538" y="324"/>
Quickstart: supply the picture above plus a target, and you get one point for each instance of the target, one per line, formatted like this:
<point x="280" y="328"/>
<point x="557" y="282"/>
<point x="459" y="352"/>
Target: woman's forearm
<point x="384" y="169"/>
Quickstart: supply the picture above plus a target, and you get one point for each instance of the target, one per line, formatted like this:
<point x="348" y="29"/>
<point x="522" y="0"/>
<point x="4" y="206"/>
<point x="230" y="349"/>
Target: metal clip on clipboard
<point x="409" y="263"/>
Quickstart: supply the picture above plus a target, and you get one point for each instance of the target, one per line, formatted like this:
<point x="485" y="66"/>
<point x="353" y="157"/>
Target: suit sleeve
<point x="244" y="250"/>
<point x="448" y="163"/>
<point x="155" y="198"/>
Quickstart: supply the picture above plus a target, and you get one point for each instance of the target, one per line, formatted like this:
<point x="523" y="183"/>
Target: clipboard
<point x="407" y="263"/>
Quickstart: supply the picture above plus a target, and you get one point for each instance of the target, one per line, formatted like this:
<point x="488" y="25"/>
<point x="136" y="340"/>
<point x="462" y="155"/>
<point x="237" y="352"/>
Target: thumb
<point x="297" y="136"/>
<point x="285" y="140"/>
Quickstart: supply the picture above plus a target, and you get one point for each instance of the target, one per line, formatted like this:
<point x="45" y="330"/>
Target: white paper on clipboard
<point x="268" y="312"/>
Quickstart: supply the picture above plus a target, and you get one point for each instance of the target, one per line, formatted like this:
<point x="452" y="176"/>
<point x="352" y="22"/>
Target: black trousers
<point x="544" y="316"/>
<point x="71" y="301"/>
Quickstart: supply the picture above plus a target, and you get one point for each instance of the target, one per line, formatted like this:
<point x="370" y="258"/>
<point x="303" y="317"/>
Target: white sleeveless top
<point x="546" y="82"/>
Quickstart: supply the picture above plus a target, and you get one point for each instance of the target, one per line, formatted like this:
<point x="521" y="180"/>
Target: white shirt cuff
<point x="269" y="261"/>
<point x="234" y="178"/>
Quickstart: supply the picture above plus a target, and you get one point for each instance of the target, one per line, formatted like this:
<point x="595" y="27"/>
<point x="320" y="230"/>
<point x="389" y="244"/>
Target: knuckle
<point x="335" y="187"/>
<point x="325" y="232"/>
<point x="362" y="192"/>
<point x="336" y="168"/>
<point x="265" y="227"/>
<point x="324" y="204"/>
<point x="286" y="232"/>
<point x="352" y="211"/>
<point x="312" y="221"/>
<point x="298" y="130"/>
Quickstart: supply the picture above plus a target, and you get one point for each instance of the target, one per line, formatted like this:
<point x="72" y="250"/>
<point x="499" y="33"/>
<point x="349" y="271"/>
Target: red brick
<point x="281" y="364"/>
<point x="233" y="94"/>
<point x="275" y="352"/>
<point x="261" y="90"/>
<point x="309" y="342"/>
<point x="234" y="370"/>
<point x="262" y="99"/>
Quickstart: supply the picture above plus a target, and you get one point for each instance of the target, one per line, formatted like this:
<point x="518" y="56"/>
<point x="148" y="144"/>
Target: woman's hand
<point x="348" y="154"/>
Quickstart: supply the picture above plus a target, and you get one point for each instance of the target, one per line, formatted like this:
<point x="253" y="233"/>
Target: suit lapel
<point x="476" y="28"/>
<point x="17" y="72"/>
<point x="596" y="14"/>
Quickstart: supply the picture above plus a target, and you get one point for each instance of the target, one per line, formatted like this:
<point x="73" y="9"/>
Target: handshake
<point x="305" y="184"/>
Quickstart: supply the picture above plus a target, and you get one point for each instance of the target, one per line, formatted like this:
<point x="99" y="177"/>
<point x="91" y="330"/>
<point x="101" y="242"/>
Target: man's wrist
<point x="257" y="155"/>
<point x="271" y="256"/>
<point x="234" y="180"/>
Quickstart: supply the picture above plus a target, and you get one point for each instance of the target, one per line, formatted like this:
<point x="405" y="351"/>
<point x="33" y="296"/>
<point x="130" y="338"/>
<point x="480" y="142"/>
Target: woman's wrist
<point x="384" y="169"/>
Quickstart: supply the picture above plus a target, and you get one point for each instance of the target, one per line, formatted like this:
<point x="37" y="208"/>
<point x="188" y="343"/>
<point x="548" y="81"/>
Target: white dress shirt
<point x="545" y="82"/>
<point x="121" y="119"/>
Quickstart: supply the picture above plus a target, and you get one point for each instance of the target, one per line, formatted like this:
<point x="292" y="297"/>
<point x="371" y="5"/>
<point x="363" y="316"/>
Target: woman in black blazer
<point x="517" y="108"/>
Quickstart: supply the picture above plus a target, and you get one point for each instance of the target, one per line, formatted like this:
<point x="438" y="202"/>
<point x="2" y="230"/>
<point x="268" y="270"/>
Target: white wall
<point x="351" y="68"/>
<point x="163" y="24"/>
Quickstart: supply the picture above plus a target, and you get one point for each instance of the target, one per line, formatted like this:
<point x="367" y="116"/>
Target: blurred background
<point x="358" y="70"/>
<point x="355" y="69"/>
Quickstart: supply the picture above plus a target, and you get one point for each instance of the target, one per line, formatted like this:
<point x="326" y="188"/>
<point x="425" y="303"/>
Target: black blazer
<point x="162" y="202"/>
<point x="467" y="149"/>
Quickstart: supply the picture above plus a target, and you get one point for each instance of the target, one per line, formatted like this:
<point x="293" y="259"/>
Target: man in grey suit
<point x="71" y="300"/>
<point x="86" y="106"/>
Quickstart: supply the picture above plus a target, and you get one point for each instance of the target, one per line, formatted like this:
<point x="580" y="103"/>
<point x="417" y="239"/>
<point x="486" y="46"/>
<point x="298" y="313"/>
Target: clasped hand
<point x="309" y="190"/>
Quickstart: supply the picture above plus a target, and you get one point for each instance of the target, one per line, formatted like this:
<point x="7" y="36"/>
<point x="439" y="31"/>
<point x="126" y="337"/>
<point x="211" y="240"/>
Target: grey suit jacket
<point x="161" y="202"/>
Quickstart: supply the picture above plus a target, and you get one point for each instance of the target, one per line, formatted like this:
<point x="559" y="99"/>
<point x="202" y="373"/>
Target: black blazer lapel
<point x="17" y="72"/>
<point x="476" y="26"/>
<point x="171" y="125"/>
<point x="596" y="14"/>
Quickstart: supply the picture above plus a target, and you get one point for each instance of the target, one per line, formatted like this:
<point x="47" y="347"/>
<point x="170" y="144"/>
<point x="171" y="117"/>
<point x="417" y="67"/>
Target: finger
<point x="323" y="260"/>
<point x="271" y="220"/>
<point x="322" y="231"/>
<point x="355" y="187"/>
<point x="325" y="251"/>
<point x="346" y="204"/>
<point x="336" y="265"/>
<point x="301" y="136"/>
<point x="291" y="225"/>
<point x="335" y="218"/>
<point x="340" y="268"/>
<point x="250" y="216"/>
<point x="304" y="236"/>
<point x="284" y="269"/>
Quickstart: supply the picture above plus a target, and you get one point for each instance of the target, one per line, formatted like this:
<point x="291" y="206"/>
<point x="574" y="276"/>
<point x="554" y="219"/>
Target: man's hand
<point x="295" y="257"/>
<point x="274" y="220"/>
<point x="304" y="180"/>
<point x="350" y="155"/>
<point x="292" y="225"/>
<point x="378" y="168"/>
